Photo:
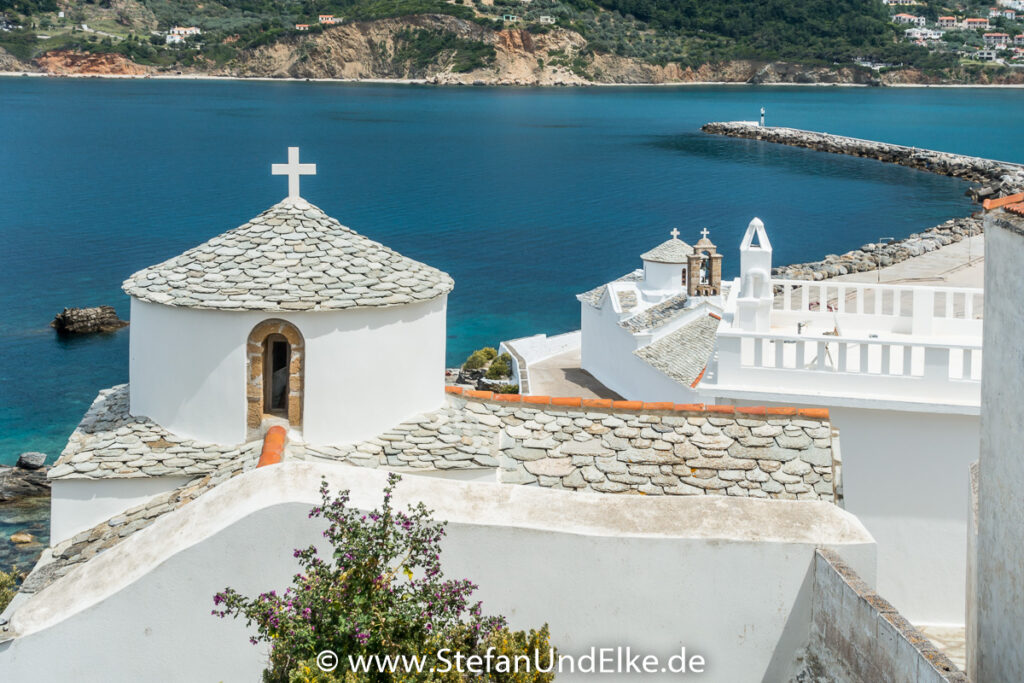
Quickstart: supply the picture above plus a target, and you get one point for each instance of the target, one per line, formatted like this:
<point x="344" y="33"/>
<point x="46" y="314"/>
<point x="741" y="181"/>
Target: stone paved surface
<point x="292" y="257"/>
<point x="109" y="443"/>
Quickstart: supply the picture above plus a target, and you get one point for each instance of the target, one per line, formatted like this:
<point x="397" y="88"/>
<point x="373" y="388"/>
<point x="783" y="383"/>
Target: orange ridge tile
<point x="751" y="410"/>
<point x="473" y="393"/>
<point x="567" y="401"/>
<point x="780" y="411"/>
<point x="451" y="389"/>
<point x="508" y="398"/>
<point x="727" y="410"/>
<point x="689" y="407"/>
<point x="821" y="413"/>
<point x="659" y="406"/>
<point x="597" y="403"/>
<point x="542" y="400"/>
<point x="628" y="405"/>
<point x="273" y="446"/>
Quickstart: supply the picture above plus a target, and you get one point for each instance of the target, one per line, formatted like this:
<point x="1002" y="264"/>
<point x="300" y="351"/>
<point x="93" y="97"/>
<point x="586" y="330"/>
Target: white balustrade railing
<point x="955" y="303"/>
<point x="889" y="369"/>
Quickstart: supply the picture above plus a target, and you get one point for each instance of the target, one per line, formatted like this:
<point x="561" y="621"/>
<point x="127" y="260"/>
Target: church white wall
<point x="607" y="353"/>
<point x="136" y="608"/>
<point x="80" y="504"/>
<point x="663" y="277"/>
<point x="905" y="477"/>
<point x="366" y="370"/>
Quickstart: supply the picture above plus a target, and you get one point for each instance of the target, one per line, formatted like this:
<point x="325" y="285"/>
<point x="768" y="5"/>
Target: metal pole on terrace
<point x="878" y="255"/>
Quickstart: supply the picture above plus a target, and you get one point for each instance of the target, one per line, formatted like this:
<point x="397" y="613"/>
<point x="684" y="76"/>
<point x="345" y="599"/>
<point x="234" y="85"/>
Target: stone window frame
<point x="255" y="353"/>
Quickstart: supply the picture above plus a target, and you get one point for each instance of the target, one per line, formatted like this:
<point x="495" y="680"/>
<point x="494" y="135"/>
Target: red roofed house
<point x="976" y="23"/>
<point x="328" y="19"/>
<point x="947" y="22"/>
<point x="996" y="38"/>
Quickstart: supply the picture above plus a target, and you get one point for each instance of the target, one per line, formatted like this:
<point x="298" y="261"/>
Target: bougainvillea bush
<point x="381" y="592"/>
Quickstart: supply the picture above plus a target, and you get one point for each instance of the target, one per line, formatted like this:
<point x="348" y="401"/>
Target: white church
<point x="732" y="544"/>
<point x="898" y="367"/>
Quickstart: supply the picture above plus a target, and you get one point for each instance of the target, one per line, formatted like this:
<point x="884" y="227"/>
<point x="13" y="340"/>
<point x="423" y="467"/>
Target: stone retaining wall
<point x="606" y="446"/>
<point x="667" y="452"/>
<point x="858" y="637"/>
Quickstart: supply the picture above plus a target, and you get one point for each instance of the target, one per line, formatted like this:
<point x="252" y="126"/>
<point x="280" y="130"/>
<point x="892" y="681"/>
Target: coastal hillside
<point x="483" y="41"/>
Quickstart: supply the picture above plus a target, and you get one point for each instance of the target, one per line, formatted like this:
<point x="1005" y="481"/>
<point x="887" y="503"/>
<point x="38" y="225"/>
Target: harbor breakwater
<point x="992" y="179"/>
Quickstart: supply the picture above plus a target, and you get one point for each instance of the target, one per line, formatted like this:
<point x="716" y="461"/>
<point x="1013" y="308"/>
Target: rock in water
<point x="87" y="320"/>
<point x="31" y="461"/>
<point x="22" y="537"/>
<point x="16" y="483"/>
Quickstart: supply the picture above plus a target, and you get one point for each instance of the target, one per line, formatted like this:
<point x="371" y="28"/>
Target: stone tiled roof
<point x="670" y="251"/>
<point x="593" y="297"/>
<point x="657" y="315"/>
<point x="683" y="354"/>
<point x="109" y="443"/>
<point x="292" y="257"/>
<point x="87" y="544"/>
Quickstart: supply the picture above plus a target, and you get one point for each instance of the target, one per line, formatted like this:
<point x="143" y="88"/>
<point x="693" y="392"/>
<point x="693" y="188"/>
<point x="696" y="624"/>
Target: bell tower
<point x="754" y="305"/>
<point x="704" y="266"/>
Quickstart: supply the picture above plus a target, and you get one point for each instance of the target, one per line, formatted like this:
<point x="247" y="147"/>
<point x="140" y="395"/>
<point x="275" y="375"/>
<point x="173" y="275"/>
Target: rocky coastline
<point x="24" y="511"/>
<point x="992" y="179"/>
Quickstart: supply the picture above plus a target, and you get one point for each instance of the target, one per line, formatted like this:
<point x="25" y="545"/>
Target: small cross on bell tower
<point x="293" y="169"/>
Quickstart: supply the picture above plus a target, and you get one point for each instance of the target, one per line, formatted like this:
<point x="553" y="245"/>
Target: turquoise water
<point x="526" y="196"/>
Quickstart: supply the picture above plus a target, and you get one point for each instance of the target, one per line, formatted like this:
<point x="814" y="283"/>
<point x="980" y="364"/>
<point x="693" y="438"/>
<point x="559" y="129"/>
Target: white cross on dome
<point x="675" y="233"/>
<point x="293" y="169"/>
<point x="704" y="233"/>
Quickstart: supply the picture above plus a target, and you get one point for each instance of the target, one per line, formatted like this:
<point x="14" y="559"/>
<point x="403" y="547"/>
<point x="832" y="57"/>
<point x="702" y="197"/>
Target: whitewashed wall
<point x="366" y="370"/>
<point x="80" y="504"/>
<point x="1000" y="544"/>
<point x="727" y="578"/>
<point x="905" y="477"/>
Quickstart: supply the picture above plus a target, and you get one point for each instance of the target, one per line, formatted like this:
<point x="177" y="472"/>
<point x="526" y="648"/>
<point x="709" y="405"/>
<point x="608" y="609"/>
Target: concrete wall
<point x="607" y="354"/>
<point x="999" y="657"/>
<point x="188" y="368"/>
<point x="655" y="574"/>
<point x="905" y="477"/>
<point x="80" y="504"/>
<point x="857" y="637"/>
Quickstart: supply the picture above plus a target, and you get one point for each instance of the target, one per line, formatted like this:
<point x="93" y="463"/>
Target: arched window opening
<point x="274" y="389"/>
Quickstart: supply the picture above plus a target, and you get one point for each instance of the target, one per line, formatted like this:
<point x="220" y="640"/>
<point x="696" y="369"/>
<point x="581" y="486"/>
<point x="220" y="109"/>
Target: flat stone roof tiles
<point x="684" y="353"/>
<point x="292" y="257"/>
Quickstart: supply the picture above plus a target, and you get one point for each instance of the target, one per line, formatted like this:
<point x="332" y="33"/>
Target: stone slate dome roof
<point x="292" y="257"/>
<point x="670" y="251"/>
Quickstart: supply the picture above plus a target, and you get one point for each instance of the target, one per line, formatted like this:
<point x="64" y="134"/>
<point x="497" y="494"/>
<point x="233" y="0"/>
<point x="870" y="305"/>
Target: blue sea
<point x="526" y="196"/>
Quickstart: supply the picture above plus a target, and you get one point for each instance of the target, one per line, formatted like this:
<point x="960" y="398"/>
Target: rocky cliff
<point x="68" y="63"/>
<point x="374" y="50"/>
